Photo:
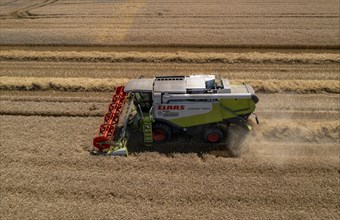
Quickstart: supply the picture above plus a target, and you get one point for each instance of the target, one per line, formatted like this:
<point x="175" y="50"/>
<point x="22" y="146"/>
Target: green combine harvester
<point x="197" y="105"/>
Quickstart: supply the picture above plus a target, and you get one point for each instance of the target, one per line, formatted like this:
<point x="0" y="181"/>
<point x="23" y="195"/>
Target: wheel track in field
<point x="8" y="3"/>
<point x="25" y="12"/>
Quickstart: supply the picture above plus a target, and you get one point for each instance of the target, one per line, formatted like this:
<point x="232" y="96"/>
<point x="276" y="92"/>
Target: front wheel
<point x="161" y="133"/>
<point x="213" y="135"/>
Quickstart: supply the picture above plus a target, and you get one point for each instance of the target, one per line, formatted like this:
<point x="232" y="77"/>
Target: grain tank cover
<point x="170" y="84"/>
<point x="200" y="83"/>
<point x="195" y="84"/>
<point x="209" y="80"/>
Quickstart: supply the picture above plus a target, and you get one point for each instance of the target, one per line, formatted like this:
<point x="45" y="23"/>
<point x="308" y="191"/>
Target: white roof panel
<point x="170" y="85"/>
<point x="195" y="83"/>
<point x="139" y="85"/>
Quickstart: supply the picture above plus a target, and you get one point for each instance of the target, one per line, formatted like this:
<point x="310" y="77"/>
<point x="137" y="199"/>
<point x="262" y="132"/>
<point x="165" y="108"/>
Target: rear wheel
<point x="213" y="135"/>
<point x="161" y="133"/>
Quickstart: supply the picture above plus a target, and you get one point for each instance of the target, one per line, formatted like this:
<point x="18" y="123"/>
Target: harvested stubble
<point x="56" y="103"/>
<point x="288" y="168"/>
<point x="53" y="177"/>
<point x="84" y="109"/>
<point x="134" y="70"/>
<point x="59" y="84"/>
<point x="283" y="79"/>
<point x="148" y="22"/>
<point x="159" y="57"/>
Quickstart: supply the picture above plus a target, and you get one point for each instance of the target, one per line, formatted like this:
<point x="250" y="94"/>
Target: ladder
<point x="147" y="130"/>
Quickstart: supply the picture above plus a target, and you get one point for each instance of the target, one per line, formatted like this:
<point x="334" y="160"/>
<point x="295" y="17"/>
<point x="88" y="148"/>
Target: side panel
<point x="187" y="114"/>
<point x="181" y="109"/>
<point x="214" y="115"/>
<point x="232" y="107"/>
<point x="200" y="113"/>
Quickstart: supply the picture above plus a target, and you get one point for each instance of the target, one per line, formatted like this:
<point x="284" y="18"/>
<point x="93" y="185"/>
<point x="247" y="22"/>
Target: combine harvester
<point x="162" y="106"/>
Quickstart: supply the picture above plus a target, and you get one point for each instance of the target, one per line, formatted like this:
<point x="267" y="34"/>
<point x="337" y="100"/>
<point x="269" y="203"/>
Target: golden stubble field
<point x="297" y="23"/>
<point x="60" y="62"/>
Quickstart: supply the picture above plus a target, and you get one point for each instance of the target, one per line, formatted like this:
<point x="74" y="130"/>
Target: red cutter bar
<point x="108" y="129"/>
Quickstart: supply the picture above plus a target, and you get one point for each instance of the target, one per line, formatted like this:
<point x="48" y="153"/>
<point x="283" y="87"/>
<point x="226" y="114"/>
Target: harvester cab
<point x="197" y="105"/>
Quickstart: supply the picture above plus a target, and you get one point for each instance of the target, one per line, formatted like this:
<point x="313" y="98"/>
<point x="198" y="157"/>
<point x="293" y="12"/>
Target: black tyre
<point x="213" y="135"/>
<point x="161" y="133"/>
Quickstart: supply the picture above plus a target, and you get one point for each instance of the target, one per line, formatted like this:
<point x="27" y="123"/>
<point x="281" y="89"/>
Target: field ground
<point x="288" y="168"/>
<point x="242" y="23"/>
<point x="61" y="60"/>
